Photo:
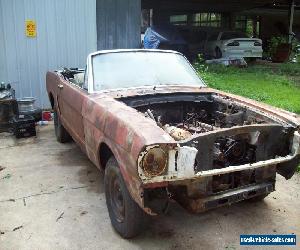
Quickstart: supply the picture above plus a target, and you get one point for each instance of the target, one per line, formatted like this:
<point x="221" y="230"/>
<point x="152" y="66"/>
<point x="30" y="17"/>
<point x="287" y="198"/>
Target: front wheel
<point x="127" y="218"/>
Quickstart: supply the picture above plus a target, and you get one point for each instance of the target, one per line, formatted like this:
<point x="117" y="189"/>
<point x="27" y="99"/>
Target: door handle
<point x="60" y="86"/>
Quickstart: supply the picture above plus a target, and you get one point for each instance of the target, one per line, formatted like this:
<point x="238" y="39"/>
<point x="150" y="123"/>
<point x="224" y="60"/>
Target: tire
<point x="61" y="133"/>
<point x="251" y="59"/>
<point x="258" y="198"/>
<point x="218" y="53"/>
<point x="127" y="218"/>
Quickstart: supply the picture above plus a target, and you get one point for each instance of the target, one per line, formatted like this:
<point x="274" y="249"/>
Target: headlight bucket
<point x="153" y="161"/>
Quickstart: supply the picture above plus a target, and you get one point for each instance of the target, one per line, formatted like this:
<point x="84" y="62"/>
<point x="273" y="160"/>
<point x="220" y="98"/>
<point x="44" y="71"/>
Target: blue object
<point x="151" y="40"/>
<point x="167" y="34"/>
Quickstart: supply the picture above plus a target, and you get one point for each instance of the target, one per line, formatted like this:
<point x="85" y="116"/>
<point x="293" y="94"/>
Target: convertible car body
<point x="148" y="120"/>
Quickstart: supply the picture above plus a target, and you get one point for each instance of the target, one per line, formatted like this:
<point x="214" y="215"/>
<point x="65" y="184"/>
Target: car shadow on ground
<point x="88" y="174"/>
<point x="170" y="226"/>
<point x="215" y="229"/>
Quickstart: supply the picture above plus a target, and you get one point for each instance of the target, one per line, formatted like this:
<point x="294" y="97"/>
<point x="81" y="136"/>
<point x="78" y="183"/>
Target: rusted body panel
<point x="70" y="111"/>
<point x="118" y="126"/>
<point x="102" y="119"/>
<point x="94" y="119"/>
<point x="226" y="198"/>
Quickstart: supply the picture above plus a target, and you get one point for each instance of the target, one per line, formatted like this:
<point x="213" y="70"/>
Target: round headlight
<point x="154" y="162"/>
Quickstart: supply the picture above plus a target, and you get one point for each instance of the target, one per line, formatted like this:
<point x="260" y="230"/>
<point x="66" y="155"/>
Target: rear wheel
<point x="218" y="53"/>
<point x="258" y="198"/>
<point x="61" y="133"/>
<point x="250" y="59"/>
<point x="126" y="216"/>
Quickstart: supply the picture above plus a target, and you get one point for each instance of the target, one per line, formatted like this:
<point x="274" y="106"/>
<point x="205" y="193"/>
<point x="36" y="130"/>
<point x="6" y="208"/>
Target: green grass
<point x="275" y="85"/>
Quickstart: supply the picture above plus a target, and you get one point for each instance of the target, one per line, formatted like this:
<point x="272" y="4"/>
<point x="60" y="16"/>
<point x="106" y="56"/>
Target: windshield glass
<point x="141" y="68"/>
<point x="233" y="35"/>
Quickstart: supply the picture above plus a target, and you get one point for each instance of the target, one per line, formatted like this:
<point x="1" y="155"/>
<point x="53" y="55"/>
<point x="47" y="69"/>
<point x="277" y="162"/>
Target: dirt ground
<point x="51" y="197"/>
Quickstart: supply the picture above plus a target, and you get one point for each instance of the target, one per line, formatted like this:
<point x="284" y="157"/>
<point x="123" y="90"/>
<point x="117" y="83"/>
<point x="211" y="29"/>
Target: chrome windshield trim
<point x="90" y="78"/>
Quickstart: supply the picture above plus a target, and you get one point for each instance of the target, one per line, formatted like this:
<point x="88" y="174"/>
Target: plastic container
<point x="46" y="116"/>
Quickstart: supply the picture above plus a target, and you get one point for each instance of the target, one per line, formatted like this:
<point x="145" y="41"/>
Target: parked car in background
<point x="228" y="44"/>
<point x="150" y="123"/>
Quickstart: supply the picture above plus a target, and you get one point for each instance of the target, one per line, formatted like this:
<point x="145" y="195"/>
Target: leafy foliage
<point x="275" y="41"/>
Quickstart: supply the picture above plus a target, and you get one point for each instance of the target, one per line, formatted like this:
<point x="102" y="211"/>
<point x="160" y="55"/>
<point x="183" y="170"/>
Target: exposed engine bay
<point x="225" y="151"/>
<point x="184" y="119"/>
<point x="187" y="117"/>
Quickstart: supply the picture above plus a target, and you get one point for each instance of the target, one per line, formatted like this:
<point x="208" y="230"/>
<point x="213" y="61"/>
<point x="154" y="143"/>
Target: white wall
<point x="66" y="33"/>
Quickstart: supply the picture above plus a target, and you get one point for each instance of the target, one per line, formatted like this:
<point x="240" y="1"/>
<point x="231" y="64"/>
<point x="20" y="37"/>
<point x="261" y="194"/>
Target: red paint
<point x="46" y="116"/>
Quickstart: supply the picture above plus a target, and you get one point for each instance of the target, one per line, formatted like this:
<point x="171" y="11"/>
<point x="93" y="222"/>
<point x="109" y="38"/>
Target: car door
<point x="70" y="101"/>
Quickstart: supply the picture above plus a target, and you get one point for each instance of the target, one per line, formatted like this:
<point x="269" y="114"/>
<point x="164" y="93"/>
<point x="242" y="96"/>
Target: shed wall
<point x="66" y="34"/>
<point x="118" y="24"/>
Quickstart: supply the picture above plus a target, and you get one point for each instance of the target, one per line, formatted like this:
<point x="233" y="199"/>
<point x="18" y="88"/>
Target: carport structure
<point x="260" y="18"/>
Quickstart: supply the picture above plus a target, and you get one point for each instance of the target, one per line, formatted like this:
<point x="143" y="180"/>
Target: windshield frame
<point x="90" y="74"/>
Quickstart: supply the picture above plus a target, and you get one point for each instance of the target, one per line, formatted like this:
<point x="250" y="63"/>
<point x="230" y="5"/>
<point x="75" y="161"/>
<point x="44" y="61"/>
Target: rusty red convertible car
<point x="148" y="120"/>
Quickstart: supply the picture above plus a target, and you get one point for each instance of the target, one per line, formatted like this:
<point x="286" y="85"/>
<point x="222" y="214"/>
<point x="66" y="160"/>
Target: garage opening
<point x="194" y="24"/>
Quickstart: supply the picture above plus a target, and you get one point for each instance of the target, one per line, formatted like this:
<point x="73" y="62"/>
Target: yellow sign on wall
<point x="30" y="27"/>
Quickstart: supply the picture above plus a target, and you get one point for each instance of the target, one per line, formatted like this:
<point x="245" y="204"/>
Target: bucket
<point x="46" y="116"/>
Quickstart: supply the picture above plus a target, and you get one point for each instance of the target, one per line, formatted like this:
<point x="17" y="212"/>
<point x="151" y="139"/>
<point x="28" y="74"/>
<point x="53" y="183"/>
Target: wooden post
<point x="254" y="23"/>
<point x="291" y="19"/>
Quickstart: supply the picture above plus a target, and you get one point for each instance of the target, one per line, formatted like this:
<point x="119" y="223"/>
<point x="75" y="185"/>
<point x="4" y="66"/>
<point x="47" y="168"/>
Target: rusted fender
<point x="52" y="80"/>
<point x="125" y="131"/>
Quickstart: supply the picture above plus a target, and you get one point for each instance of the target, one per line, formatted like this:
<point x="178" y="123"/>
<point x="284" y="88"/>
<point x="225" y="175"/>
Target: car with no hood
<point x="159" y="133"/>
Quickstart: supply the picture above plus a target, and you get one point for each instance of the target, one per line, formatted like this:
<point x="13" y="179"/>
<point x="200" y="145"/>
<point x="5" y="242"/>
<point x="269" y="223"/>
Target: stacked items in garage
<point x="17" y="116"/>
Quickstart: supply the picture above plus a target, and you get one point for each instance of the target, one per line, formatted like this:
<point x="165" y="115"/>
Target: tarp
<point x="168" y="34"/>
